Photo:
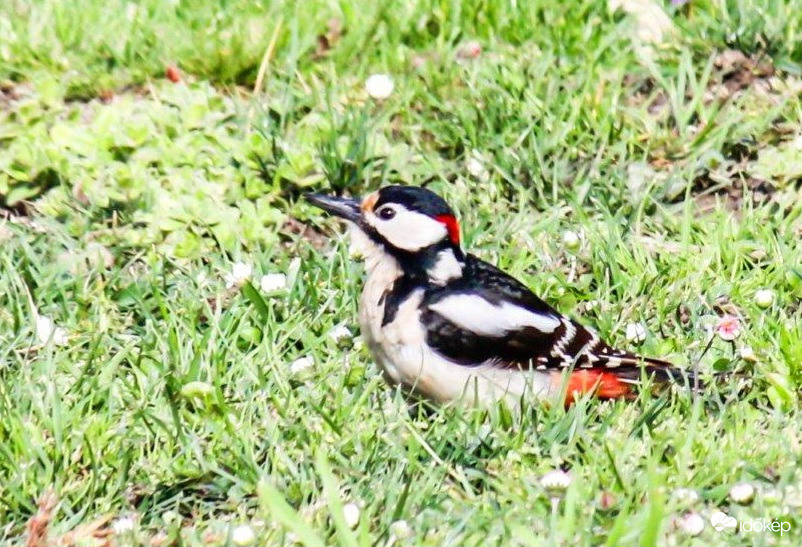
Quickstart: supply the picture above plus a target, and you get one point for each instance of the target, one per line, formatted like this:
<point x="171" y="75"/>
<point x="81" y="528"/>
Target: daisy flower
<point x="728" y="327"/>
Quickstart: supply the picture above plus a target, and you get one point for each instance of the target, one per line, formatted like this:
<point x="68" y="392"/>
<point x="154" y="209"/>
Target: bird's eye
<point x="386" y="213"/>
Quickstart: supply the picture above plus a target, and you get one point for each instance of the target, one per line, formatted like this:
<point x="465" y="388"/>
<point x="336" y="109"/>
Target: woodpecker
<point x="447" y="325"/>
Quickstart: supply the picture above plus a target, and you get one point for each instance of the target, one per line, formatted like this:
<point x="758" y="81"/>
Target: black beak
<point x="342" y="207"/>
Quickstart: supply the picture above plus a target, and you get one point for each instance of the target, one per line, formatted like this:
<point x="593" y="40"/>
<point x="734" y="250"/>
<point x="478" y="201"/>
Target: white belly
<point x="400" y="349"/>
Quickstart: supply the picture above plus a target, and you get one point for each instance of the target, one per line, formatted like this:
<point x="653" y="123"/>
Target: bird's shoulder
<point x="486" y="281"/>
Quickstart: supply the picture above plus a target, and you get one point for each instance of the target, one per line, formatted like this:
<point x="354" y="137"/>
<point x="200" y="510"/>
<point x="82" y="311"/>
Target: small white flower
<point x="476" y="168"/>
<point x="742" y="493"/>
<point x="241" y="270"/>
<point x="240" y="273"/>
<point x="652" y="23"/>
<point x="591" y="305"/>
<point x="273" y="282"/>
<point x="46" y="330"/>
<point x="122" y="525"/>
<point x="748" y="354"/>
<point x="556" y="480"/>
<point x="764" y="298"/>
<point x="379" y="86"/>
<point x="340" y="333"/>
<point x="636" y="333"/>
<point x="686" y="495"/>
<point x="351" y="514"/>
<point x="243" y="535"/>
<point x="692" y="524"/>
<point x="571" y="240"/>
<point x="400" y="529"/>
<point x="301" y="364"/>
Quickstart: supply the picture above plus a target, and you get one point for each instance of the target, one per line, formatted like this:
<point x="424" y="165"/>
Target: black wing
<point x="542" y="337"/>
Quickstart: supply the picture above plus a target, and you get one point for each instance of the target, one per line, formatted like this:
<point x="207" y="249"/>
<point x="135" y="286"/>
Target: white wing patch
<point x="475" y="314"/>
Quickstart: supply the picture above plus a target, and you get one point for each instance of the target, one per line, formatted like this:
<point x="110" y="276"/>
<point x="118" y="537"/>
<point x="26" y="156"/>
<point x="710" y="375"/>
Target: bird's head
<point x="413" y="225"/>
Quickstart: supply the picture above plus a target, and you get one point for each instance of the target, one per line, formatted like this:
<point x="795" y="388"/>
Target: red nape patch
<point x="604" y="385"/>
<point x="451" y="225"/>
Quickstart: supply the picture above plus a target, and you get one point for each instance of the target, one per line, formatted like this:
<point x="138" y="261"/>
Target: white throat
<point x="374" y="255"/>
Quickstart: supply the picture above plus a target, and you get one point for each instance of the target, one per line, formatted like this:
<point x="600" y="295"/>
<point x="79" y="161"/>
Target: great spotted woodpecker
<point x="450" y="326"/>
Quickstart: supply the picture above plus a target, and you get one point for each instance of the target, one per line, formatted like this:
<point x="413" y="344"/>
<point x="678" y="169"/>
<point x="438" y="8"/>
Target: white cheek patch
<point x="475" y="314"/>
<point x="409" y="230"/>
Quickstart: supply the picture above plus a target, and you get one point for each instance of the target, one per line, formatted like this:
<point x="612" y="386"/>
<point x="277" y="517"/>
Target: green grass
<point x="126" y="199"/>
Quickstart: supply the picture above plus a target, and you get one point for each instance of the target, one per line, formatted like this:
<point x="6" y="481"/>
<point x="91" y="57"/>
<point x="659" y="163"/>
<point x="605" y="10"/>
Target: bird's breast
<point x="391" y="343"/>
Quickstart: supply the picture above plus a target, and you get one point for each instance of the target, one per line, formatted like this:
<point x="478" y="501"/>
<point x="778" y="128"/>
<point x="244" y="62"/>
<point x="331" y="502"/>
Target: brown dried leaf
<point x="607" y="500"/>
<point x="160" y="539"/>
<point x="684" y="315"/>
<point x="730" y="60"/>
<point x="335" y="29"/>
<point x="211" y="537"/>
<point x="327" y="41"/>
<point x="80" y="195"/>
<point x="740" y="71"/>
<point x="106" y="95"/>
<point x="92" y="534"/>
<point x="37" y="527"/>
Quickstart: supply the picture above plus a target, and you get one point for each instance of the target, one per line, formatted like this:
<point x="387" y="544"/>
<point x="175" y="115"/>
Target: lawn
<point x="180" y="362"/>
